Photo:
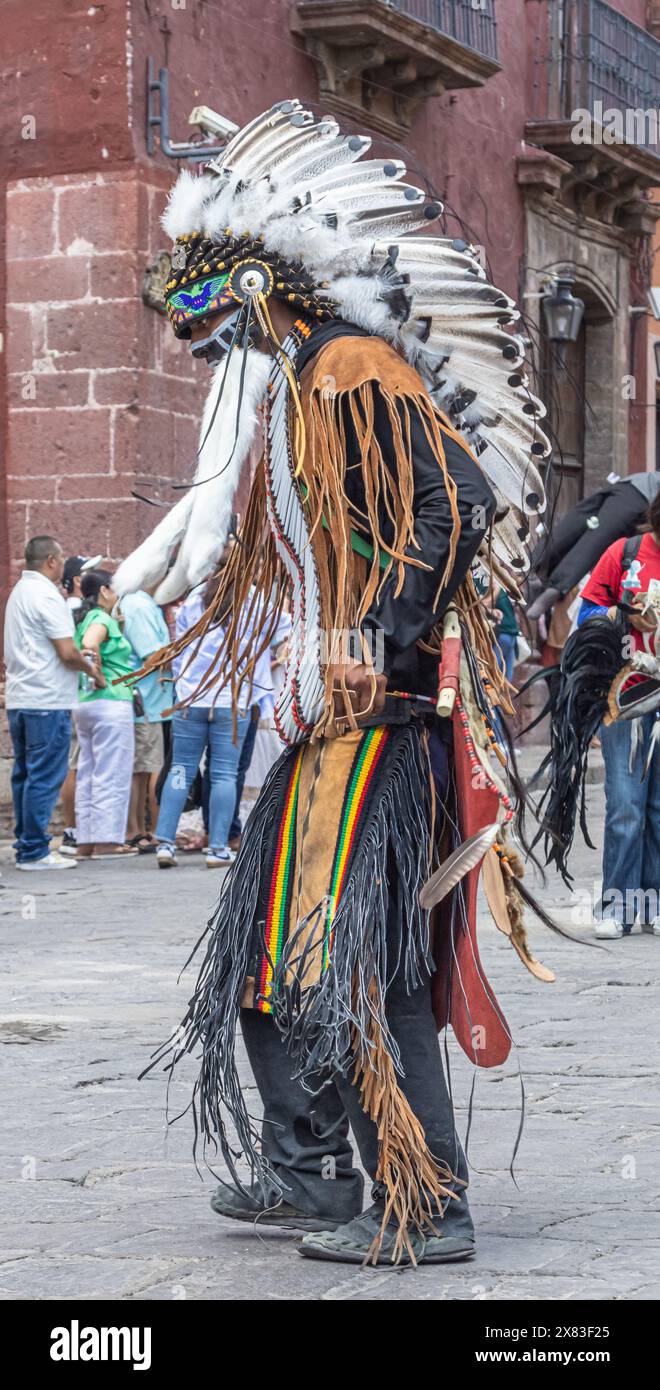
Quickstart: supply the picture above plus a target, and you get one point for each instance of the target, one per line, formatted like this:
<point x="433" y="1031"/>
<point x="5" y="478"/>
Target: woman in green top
<point x="104" y="721"/>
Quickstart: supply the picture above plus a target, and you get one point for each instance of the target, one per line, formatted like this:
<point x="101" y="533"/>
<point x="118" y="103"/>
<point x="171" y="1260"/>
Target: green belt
<point x="358" y="544"/>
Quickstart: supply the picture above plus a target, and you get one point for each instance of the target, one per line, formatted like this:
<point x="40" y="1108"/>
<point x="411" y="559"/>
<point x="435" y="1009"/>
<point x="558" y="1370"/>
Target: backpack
<point x="630" y="552"/>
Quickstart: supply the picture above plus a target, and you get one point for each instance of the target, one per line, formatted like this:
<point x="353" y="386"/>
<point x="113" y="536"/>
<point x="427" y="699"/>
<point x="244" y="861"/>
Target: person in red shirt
<point x="631" y="850"/>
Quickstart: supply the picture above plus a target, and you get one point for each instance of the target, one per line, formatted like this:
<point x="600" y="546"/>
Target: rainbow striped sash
<point x="317" y="837"/>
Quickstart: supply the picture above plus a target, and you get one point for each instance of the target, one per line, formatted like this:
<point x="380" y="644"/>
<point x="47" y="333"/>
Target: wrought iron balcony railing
<point x="470" y="22"/>
<point x="379" y="60"/>
<point x="589" y="57"/>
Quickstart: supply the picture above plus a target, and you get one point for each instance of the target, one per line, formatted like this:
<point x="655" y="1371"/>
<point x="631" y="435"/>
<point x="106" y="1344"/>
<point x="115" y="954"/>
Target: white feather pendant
<point x="521" y="427"/>
<point x="473" y="353"/>
<point x="466" y="857"/>
<point x="513" y="432"/>
<point x="226" y="446"/>
<point x="391" y="223"/>
<point x="199" y="521"/>
<point x="379" y="199"/>
<point x="148" y="563"/>
<point x="452" y="292"/>
<point x="436" y="248"/>
<point x="490" y="410"/>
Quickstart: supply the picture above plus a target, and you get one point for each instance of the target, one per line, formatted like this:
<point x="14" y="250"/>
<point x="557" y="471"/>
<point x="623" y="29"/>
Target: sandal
<point x="120" y="852"/>
<point x="191" y="844"/>
<point x="143" y="843"/>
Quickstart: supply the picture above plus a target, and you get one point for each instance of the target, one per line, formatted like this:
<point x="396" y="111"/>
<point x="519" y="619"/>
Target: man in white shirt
<point x="42" y="663"/>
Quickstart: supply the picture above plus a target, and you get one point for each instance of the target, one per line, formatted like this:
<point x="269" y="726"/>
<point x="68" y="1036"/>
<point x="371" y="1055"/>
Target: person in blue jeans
<point x="243" y="768"/>
<point x="631" y="850"/>
<point x="197" y="730"/>
<point x="507" y="633"/>
<point x="41" y="740"/>
<point x="43" y="664"/>
<point x="204" y="726"/>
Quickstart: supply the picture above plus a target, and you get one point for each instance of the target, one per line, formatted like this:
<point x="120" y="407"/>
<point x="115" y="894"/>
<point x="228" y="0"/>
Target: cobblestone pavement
<point x="99" y="1201"/>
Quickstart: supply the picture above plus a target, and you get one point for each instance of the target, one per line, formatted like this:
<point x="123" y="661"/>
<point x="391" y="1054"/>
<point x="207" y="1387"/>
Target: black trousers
<point x="305" y="1136"/>
<point x="572" y="549"/>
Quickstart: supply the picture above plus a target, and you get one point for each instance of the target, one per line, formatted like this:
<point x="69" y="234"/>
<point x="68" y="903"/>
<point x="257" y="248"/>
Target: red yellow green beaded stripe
<point x="278" y="898"/>
<point x="365" y="765"/>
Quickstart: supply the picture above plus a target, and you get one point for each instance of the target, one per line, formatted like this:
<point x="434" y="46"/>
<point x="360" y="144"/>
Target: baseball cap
<point x="74" y="566"/>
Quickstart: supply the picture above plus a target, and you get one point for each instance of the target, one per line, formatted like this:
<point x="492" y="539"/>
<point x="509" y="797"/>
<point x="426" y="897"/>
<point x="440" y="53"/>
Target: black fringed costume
<point x="383" y="476"/>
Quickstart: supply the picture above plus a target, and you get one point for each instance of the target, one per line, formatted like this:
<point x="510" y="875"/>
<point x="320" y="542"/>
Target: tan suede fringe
<point x="252" y="581"/>
<point x="344" y="374"/>
<point x="512" y="869"/>
<point x="415" y="1183"/>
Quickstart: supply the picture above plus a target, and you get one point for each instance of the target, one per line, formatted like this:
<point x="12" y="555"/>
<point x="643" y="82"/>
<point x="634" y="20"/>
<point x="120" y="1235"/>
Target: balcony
<point x="378" y="60"/>
<point x="596" y="111"/>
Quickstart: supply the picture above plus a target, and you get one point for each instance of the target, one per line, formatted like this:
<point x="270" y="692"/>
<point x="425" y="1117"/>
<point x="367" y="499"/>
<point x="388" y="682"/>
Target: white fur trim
<point x="218" y="471"/>
<point x="199" y="522"/>
<point x="184" y="211"/>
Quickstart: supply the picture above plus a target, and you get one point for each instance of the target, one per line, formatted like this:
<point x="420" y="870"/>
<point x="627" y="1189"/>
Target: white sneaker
<point x="165" y="857"/>
<point x="608" y="929"/>
<point x="220" y="858"/>
<point x="653" y="928"/>
<point x="49" y="861"/>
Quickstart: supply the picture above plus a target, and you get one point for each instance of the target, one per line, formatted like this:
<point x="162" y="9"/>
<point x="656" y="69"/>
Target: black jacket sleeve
<point x="411" y="614"/>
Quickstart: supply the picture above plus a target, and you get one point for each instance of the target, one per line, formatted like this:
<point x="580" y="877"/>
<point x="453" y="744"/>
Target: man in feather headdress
<point x="384" y="368"/>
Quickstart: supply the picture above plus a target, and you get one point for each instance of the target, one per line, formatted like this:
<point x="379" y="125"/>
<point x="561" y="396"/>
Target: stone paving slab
<point x="100" y="1199"/>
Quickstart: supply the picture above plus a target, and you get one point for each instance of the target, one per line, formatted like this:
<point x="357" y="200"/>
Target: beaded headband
<point x="206" y="279"/>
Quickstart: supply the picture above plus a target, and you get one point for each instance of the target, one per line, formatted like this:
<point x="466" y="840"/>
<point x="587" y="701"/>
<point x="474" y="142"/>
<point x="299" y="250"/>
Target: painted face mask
<point x="221" y="339"/>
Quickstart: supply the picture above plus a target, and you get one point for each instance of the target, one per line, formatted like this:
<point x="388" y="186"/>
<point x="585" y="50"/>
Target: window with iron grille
<point x="588" y="53"/>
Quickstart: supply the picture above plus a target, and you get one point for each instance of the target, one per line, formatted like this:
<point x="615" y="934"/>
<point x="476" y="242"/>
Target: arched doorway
<point x="583" y="395"/>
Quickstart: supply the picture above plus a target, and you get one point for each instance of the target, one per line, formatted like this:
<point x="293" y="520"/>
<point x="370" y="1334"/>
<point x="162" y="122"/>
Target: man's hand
<point x="644" y="622"/>
<point x="73" y="658"/>
<point x="365" y="691"/>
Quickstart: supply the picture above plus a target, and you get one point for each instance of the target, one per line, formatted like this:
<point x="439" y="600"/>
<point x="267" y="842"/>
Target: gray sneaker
<point x="228" y="1201"/>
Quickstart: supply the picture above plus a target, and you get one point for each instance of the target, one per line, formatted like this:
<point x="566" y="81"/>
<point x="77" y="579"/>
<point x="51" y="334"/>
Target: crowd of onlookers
<point x="124" y="761"/>
<point x="129" y="757"/>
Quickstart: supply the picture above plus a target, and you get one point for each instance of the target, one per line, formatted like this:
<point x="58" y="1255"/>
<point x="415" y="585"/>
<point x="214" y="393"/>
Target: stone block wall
<point x="102" y="399"/>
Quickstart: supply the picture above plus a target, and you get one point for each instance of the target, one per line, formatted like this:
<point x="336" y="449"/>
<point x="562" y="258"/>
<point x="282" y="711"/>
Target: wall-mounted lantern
<point x="562" y="315"/>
